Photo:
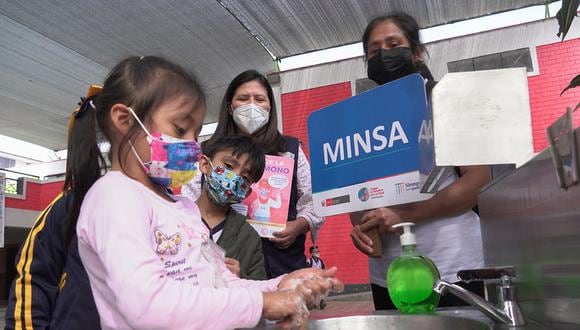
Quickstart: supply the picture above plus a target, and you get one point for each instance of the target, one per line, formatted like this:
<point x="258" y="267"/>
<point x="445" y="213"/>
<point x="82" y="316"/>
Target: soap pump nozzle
<point x="407" y="237"/>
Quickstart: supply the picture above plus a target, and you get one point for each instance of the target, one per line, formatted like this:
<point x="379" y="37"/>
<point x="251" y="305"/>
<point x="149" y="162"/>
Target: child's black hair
<point x="239" y="145"/>
<point x="142" y="83"/>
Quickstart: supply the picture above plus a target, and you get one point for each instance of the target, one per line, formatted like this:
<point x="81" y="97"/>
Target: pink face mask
<point x="173" y="161"/>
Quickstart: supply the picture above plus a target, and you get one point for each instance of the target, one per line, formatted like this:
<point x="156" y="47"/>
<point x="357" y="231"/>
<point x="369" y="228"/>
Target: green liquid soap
<point x="411" y="277"/>
<point x="410" y="280"/>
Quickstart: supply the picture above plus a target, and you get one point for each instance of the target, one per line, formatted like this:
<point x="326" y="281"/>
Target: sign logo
<point x="335" y="201"/>
<point x="400" y="188"/>
<point x="364" y="194"/>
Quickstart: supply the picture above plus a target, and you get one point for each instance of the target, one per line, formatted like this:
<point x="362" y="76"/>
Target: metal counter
<point x="342" y="321"/>
<point x="529" y="222"/>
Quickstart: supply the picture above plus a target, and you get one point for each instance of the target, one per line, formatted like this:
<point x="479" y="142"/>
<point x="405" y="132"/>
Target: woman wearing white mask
<point x="248" y="108"/>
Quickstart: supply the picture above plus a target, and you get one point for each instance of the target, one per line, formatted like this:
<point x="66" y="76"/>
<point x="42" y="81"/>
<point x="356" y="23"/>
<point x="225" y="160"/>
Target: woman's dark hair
<point x="410" y="28"/>
<point x="144" y="84"/>
<point x="267" y="137"/>
<point x="239" y="145"/>
<point x="403" y="21"/>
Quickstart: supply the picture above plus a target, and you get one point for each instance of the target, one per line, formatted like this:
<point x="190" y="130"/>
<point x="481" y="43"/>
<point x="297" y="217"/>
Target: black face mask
<point x="391" y="64"/>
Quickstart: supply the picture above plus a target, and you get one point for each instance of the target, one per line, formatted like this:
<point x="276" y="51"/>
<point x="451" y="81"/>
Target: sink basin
<point x="383" y="322"/>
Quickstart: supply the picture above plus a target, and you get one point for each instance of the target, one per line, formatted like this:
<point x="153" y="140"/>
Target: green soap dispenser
<point x="411" y="276"/>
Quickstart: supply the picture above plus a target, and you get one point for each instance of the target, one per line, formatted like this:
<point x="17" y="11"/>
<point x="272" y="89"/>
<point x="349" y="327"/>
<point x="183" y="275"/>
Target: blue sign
<point x="369" y="136"/>
<point x="426" y="144"/>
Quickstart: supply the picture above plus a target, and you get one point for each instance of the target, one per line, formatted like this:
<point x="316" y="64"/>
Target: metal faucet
<point x="507" y="310"/>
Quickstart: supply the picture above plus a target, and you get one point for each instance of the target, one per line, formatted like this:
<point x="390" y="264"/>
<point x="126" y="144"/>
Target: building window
<point x="509" y="59"/>
<point x="7" y="162"/>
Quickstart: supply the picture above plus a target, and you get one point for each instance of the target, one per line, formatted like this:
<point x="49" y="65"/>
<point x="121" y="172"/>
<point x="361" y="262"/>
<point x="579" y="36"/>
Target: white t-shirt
<point x="452" y="243"/>
<point x="316" y="263"/>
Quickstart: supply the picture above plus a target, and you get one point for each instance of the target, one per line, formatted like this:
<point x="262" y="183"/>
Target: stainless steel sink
<point x="384" y="322"/>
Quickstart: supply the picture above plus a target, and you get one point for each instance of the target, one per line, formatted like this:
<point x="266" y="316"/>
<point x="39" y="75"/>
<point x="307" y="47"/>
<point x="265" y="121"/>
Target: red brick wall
<point x="297" y="106"/>
<point x="38" y="196"/>
<point x="333" y="240"/>
<point x="558" y="63"/>
<point x="49" y="192"/>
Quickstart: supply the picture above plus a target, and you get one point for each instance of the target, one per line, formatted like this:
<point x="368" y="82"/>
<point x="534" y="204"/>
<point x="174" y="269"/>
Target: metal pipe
<point x="474" y="300"/>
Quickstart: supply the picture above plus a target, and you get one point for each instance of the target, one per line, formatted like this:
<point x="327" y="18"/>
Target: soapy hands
<point x="314" y="284"/>
<point x="297" y="292"/>
<point x="382" y="218"/>
<point x="286" y="306"/>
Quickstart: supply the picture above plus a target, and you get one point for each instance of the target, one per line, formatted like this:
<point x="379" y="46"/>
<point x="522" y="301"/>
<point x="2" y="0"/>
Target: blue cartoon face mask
<point x="225" y="187"/>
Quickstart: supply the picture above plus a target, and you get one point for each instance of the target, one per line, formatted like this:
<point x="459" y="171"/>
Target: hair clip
<point x="84" y="105"/>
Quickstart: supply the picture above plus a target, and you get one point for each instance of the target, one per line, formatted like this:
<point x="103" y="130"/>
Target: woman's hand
<point x="313" y="284"/>
<point x="283" y="239"/>
<point x="233" y="266"/>
<point x="382" y="217"/>
<point x="287" y="307"/>
<point x="361" y="240"/>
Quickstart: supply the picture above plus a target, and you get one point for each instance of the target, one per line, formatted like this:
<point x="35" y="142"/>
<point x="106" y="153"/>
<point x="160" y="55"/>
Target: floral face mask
<point x="173" y="161"/>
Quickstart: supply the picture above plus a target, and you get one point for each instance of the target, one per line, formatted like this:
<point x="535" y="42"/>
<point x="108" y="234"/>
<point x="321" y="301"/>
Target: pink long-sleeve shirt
<point x="151" y="264"/>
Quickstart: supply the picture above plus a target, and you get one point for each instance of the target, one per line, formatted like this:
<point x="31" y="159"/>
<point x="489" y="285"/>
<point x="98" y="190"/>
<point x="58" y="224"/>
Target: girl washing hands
<point x="148" y="255"/>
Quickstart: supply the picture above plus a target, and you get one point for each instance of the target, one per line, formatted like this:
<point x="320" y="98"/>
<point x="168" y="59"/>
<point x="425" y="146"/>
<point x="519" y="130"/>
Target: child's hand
<point x="287" y="307"/>
<point x="313" y="284"/>
<point x="233" y="266"/>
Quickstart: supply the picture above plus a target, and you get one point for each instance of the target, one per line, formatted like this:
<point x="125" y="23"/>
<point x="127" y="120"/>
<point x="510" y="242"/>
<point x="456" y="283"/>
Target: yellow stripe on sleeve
<point x="62" y="282"/>
<point x="23" y="269"/>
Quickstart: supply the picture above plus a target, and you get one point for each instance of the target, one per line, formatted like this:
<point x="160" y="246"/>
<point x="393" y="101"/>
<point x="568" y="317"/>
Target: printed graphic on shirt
<point x="177" y="263"/>
<point x="179" y="270"/>
<point x="166" y="243"/>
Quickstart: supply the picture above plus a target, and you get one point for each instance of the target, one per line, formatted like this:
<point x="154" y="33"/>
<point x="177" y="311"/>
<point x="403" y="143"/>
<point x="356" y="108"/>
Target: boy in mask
<point x="229" y="166"/>
<point x="314" y="261"/>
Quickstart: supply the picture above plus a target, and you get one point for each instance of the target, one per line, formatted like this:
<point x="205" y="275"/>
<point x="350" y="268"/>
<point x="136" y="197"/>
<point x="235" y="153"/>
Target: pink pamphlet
<point x="266" y="207"/>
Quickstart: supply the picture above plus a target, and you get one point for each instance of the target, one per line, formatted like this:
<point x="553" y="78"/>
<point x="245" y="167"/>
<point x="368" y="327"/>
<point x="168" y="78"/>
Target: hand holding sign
<point x="382" y="218"/>
<point x="283" y="239"/>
